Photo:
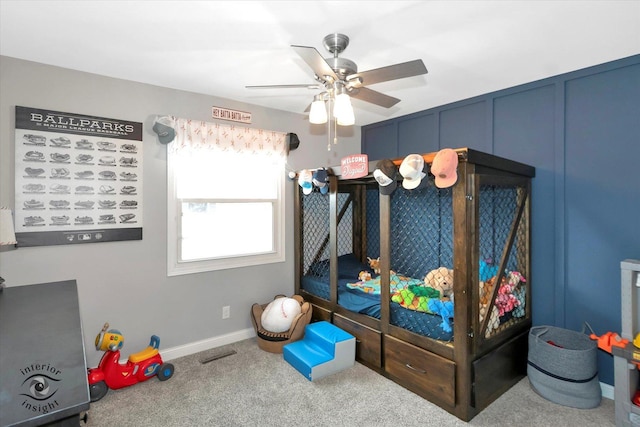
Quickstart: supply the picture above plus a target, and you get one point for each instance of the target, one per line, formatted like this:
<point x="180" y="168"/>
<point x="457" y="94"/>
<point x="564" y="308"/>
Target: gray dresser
<point x="43" y="372"/>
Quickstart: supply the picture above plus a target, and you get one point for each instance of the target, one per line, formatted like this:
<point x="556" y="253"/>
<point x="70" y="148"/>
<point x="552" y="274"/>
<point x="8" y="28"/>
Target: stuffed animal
<point x="364" y="276"/>
<point x="494" y="320"/>
<point x="374" y="264"/>
<point x="444" y="309"/>
<point x="516" y="279"/>
<point x="440" y="279"/>
<point x="505" y="299"/>
<point x="279" y="314"/>
<point x="487" y="270"/>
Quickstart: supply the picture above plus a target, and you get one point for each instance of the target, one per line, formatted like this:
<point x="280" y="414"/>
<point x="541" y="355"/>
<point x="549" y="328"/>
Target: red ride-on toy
<point x="140" y="366"/>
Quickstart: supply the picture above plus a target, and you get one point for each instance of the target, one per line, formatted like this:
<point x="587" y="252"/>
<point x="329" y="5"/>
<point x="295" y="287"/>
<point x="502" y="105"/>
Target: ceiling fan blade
<point x="317" y="63"/>
<point x="374" y="97"/>
<point x="293" y="86"/>
<point x="391" y="72"/>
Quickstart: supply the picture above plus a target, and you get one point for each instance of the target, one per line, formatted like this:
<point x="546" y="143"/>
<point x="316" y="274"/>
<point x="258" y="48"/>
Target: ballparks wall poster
<point x="78" y="178"/>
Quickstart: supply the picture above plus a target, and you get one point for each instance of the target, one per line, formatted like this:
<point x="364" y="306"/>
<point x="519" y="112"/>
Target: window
<point x="226" y="209"/>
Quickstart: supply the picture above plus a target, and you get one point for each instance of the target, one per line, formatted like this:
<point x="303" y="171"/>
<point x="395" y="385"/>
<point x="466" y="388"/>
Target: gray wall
<point x="125" y="283"/>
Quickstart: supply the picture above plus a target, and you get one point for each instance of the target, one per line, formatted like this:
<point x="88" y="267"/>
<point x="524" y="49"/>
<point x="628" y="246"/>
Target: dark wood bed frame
<point x="462" y="377"/>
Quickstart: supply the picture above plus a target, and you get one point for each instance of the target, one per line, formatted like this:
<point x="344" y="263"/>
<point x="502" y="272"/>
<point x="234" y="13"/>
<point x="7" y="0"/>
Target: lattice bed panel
<point x="498" y="210"/>
<point x="421" y="231"/>
<point x="421" y="241"/>
<point x="315" y="232"/>
<point x="315" y="228"/>
<point x="345" y="226"/>
<point x="373" y="223"/>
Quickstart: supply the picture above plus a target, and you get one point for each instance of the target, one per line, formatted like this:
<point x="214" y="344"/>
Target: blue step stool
<point x="324" y="350"/>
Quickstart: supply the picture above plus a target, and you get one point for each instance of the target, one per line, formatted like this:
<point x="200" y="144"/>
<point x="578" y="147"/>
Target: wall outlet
<point x="226" y="312"/>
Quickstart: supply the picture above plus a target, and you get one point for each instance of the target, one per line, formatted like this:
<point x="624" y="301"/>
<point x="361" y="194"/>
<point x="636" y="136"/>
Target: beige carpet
<point x="256" y="388"/>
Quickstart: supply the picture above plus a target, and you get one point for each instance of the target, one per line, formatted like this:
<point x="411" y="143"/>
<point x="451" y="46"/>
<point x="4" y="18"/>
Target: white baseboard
<point x="207" y="344"/>
<point x="607" y="390"/>
<point x="213" y="342"/>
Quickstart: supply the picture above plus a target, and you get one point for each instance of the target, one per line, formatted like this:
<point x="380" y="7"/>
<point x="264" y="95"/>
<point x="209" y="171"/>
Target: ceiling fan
<point x="339" y="75"/>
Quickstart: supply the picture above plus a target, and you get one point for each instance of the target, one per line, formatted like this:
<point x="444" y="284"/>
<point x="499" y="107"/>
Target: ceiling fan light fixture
<point x="343" y="110"/>
<point x="339" y="75"/>
<point x="318" y="112"/>
<point x="346" y="117"/>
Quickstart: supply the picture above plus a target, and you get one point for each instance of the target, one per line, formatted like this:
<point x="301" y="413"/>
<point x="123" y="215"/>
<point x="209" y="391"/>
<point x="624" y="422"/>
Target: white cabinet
<point x="627" y="374"/>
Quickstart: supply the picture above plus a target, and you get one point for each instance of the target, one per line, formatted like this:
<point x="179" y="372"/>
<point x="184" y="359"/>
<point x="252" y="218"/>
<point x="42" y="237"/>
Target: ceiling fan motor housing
<point x="342" y="66"/>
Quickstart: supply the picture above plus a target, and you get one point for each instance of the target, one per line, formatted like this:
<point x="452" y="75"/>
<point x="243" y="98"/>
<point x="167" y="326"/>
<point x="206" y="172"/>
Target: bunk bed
<point x="459" y="349"/>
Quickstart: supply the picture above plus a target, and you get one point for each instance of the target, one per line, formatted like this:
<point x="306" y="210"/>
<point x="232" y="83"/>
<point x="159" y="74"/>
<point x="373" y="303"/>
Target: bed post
<point x="385" y="261"/>
<point x="527" y="261"/>
<point x="465" y="243"/>
<point x="297" y="233"/>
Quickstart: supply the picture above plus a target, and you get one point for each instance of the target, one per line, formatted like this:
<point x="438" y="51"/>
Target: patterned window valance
<point x="195" y="136"/>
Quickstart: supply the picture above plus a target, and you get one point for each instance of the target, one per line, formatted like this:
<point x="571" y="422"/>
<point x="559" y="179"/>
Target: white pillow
<point x="279" y="314"/>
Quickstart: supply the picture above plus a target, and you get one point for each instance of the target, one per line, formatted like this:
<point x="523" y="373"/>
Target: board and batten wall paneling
<point x="418" y="134"/>
<point x="465" y="126"/>
<point x="381" y="141"/>
<point x="602" y="196"/>
<point x="524" y="129"/>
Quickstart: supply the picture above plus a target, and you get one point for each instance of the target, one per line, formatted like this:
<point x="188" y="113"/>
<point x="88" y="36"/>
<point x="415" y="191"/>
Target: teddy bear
<point x="440" y="279"/>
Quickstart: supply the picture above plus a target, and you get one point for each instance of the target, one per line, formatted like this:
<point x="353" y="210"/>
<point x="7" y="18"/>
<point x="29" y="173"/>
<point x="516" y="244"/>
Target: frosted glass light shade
<point x="318" y="112"/>
<point x="347" y="118"/>
<point x="343" y="111"/>
<point x="7" y="233"/>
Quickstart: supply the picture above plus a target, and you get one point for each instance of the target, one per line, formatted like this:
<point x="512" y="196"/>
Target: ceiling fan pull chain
<point x="329" y="119"/>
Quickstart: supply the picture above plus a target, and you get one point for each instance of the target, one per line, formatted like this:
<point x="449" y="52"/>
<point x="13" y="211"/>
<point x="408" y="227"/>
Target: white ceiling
<point x="219" y="47"/>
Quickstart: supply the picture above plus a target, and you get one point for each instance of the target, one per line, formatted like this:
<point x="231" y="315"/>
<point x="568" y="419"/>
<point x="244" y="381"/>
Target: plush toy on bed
<point x="444" y="309"/>
<point x="363" y="276"/>
<point x="374" y="264"/>
<point x="441" y="279"/>
<point x="279" y="314"/>
<point x="487" y="270"/>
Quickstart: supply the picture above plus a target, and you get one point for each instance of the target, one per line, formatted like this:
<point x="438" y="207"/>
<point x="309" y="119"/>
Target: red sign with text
<point x="354" y="166"/>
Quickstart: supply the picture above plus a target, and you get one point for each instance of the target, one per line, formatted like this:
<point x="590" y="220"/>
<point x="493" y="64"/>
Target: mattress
<point x="316" y="282"/>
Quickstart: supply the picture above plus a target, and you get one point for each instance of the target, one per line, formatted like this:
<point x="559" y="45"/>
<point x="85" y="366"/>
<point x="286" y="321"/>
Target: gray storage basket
<point x="565" y="373"/>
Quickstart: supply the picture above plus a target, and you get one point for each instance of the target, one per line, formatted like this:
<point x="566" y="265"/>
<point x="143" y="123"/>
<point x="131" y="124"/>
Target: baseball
<point x="279" y="314"/>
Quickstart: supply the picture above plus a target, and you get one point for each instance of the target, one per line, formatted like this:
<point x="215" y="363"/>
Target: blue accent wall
<point x="581" y="131"/>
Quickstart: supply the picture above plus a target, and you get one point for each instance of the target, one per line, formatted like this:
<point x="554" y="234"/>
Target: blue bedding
<point x="350" y="299"/>
<point x="316" y="282"/>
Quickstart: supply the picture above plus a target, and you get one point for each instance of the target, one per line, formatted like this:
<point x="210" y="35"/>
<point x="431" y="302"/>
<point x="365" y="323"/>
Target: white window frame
<point x="177" y="267"/>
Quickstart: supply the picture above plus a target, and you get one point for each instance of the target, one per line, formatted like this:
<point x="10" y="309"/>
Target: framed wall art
<point x="78" y="178"/>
